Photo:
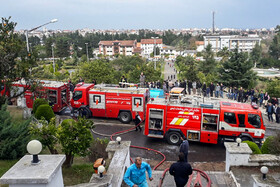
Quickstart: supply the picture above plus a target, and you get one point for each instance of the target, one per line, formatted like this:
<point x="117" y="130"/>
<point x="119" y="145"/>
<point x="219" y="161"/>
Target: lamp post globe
<point x="119" y="139"/>
<point x="238" y="141"/>
<point x="264" y="171"/>
<point x="101" y="169"/>
<point x="34" y="147"/>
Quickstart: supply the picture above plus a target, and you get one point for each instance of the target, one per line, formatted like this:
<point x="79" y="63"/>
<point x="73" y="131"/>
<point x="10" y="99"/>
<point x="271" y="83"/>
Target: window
<point x="97" y="98"/>
<point x="254" y="120"/>
<point x="77" y="95"/>
<point x="52" y="97"/>
<point x="63" y="96"/>
<point x="241" y="118"/>
<point x="137" y="100"/>
<point x="229" y="117"/>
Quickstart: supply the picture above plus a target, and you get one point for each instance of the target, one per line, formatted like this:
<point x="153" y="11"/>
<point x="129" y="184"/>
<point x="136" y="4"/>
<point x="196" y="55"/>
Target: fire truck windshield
<point x="77" y="95"/>
<point x="254" y="120"/>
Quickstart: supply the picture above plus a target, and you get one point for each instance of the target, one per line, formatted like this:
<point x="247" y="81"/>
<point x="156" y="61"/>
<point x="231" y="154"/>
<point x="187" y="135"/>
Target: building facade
<point x="244" y="44"/>
<point x="124" y="47"/>
<point x="148" y="45"/>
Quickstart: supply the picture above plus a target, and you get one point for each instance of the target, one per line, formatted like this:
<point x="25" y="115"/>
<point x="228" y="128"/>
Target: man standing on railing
<point x="135" y="175"/>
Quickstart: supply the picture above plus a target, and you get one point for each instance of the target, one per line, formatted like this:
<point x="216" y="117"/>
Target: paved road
<point x="199" y="152"/>
<point x="170" y="71"/>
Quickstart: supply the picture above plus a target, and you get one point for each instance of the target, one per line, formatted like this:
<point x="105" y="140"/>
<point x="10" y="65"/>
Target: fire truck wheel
<point x="173" y="138"/>
<point x="125" y="117"/>
<point x="245" y="138"/>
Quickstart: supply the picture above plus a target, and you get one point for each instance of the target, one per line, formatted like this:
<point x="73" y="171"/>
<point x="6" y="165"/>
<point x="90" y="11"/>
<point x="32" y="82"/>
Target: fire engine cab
<point x="109" y="101"/>
<point x="200" y="121"/>
<point x="57" y="93"/>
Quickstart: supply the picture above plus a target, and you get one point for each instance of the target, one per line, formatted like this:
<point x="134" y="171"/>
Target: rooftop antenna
<point x="213" y="22"/>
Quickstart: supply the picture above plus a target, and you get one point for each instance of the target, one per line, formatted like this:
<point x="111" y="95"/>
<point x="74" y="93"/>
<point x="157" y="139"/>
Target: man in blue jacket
<point x="135" y="175"/>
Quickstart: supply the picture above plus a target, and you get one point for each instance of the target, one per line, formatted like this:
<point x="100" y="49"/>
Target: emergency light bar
<point x="255" y="105"/>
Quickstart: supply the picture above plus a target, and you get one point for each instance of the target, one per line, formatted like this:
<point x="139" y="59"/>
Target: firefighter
<point x="181" y="171"/>
<point x="137" y="121"/>
<point x="184" y="147"/>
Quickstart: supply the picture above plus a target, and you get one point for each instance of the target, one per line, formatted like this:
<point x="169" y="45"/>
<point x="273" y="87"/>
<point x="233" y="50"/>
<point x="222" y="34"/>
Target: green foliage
<point x="267" y="145"/>
<point x="237" y="71"/>
<point x="14" y="136"/>
<point x="187" y="67"/>
<point x="44" y="111"/>
<point x="273" y="88"/>
<point x="46" y="133"/>
<point x="13" y="57"/>
<point x="255" y="55"/>
<point x="38" y="102"/>
<point x="254" y="147"/>
<point x="224" y="53"/>
<point x="274" y="48"/>
<point x="209" y="65"/>
<point x="275" y="145"/>
<point x="75" y="138"/>
<point x="77" y="174"/>
<point x="97" y="148"/>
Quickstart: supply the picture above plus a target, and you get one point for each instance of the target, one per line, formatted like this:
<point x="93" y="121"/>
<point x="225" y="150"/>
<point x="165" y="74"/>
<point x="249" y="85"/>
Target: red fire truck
<point x="109" y="101"/>
<point x="207" y="122"/>
<point x="57" y="93"/>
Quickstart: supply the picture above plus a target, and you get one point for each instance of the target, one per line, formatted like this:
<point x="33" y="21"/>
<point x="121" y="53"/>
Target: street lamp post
<point x="87" y="50"/>
<point x="155" y="63"/>
<point x="27" y="31"/>
<point x="53" y="58"/>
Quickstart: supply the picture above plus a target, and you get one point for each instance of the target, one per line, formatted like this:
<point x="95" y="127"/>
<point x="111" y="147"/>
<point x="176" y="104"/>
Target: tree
<point x="256" y="54"/>
<point x="75" y="138"/>
<point x="187" y="68"/>
<point x="274" y="48"/>
<point x="224" y="53"/>
<point x="237" y="71"/>
<point x="46" y="133"/>
<point x="14" y="63"/>
<point x="181" y="46"/>
<point x="209" y="65"/>
<point x="14" y="136"/>
<point x="273" y="88"/>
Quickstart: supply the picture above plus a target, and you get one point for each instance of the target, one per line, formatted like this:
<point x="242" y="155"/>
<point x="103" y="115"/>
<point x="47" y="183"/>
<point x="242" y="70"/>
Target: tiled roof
<point x="199" y="42"/>
<point x="151" y="41"/>
<point x="121" y="42"/>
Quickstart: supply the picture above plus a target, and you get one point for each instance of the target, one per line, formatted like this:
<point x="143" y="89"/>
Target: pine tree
<point x="14" y="136"/>
<point x="237" y="71"/>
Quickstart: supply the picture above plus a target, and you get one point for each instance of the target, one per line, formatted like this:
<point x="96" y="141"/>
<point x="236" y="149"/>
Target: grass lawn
<point x="16" y="113"/>
<point x="5" y="165"/>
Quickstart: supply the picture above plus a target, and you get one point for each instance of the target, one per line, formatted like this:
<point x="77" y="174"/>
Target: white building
<point x="124" y="47"/>
<point x="148" y="45"/>
<point x="244" y="44"/>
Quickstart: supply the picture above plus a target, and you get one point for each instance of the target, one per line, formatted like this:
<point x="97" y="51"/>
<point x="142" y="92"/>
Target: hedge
<point x="253" y="146"/>
<point x="44" y="111"/>
<point x="39" y="102"/>
<point x="266" y="145"/>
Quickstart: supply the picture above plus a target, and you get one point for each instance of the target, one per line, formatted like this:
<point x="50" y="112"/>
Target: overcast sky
<point x="137" y="14"/>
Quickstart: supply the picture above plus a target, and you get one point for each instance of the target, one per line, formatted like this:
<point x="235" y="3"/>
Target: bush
<point x="44" y="111"/>
<point x="253" y="146"/>
<point x="39" y="102"/>
<point x="97" y="148"/>
<point x="265" y="149"/>
<point x="274" y="147"/>
<point x="14" y="136"/>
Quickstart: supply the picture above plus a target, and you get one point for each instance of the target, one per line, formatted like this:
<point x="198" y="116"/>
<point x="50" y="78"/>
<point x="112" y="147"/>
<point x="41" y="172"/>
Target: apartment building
<point x="122" y="47"/>
<point x="148" y="45"/>
<point x="244" y="44"/>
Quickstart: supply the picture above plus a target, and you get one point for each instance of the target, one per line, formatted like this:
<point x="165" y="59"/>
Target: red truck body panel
<point x="203" y="122"/>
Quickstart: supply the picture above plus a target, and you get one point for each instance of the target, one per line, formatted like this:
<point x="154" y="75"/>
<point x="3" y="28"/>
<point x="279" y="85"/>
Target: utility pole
<point x="213" y="21"/>
<point x="53" y="58"/>
<point x="87" y="50"/>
